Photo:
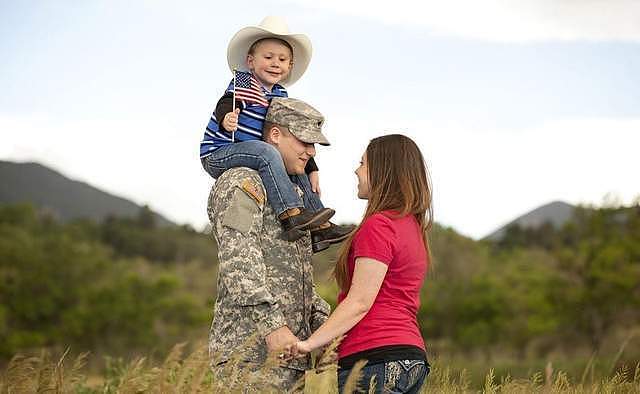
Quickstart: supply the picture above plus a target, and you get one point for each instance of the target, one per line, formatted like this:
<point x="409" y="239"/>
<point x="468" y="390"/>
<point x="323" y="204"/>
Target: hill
<point x="64" y="198"/>
<point x="557" y="213"/>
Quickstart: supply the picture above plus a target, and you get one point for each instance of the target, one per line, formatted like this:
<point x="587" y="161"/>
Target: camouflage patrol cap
<point x="302" y="120"/>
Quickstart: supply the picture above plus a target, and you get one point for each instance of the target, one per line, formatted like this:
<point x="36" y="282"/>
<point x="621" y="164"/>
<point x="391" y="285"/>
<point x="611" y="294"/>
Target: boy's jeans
<point x="402" y="376"/>
<point x="264" y="158"/>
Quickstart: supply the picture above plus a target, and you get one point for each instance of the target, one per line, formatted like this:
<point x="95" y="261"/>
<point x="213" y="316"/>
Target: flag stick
<point x="235" y="70"/>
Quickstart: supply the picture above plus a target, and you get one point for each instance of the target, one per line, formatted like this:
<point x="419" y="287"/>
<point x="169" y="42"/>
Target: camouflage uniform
<point x="264" y="283"/>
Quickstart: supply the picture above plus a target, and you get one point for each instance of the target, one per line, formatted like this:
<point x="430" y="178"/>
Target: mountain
<point x="557" y="213"/>
<point x="65" y="198"/>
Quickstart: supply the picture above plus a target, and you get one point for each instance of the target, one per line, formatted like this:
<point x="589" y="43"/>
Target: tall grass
<point x="190" y="373"/>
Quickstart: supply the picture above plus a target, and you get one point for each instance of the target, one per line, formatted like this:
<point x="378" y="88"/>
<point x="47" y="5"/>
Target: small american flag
<point x="248" y="88"/>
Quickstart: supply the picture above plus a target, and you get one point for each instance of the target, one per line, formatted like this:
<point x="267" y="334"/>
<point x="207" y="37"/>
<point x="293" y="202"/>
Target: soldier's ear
<point x="274" y="134"/>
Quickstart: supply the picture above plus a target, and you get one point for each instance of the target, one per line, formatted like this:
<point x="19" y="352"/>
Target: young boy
<point x="233" y="135"/>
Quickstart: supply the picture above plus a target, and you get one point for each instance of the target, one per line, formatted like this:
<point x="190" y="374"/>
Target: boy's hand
<point x="230" y="121"/>
<point x="314" y="179"/>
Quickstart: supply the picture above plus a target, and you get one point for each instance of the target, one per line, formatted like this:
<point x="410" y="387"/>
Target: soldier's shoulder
<point x="243" y="178"/>
<point x="236" y="176"/>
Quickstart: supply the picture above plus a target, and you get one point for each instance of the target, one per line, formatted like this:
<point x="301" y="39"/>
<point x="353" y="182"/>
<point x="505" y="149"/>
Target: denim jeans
<point x="265" y="158"/>
<point x="402" y="376"/>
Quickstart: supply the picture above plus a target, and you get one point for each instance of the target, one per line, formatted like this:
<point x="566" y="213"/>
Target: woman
<point x="380" y="271"/>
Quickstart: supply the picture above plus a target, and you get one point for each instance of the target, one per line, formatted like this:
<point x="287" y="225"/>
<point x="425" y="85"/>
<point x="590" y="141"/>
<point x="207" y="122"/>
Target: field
<point x="183" y="372"/>
<point x="546" y="310"/>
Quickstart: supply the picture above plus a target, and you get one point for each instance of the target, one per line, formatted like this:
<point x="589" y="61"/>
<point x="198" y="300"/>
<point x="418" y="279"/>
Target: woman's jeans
<point x="402" y="376"/>
<point x="265" y="158"/>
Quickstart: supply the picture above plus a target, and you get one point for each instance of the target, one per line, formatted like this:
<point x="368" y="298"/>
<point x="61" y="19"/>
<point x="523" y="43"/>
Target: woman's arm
<point x="367" y="279"/>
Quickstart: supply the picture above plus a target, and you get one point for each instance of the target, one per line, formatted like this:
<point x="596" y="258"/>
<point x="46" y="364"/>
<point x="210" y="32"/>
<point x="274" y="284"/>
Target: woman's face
<point x="363" y="178"/>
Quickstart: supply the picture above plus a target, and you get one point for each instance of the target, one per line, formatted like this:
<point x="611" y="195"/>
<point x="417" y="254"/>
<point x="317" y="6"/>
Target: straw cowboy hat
<point x="276" y="27"/>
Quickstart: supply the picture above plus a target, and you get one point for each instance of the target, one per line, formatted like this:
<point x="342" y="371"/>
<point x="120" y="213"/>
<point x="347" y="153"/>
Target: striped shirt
<point x="250" y="123"/>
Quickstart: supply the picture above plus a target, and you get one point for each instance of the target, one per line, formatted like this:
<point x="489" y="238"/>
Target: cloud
<point x="482" y="178"/>
<point x="148" y="161"/>
<point x="502" y="21"/>
<point x="485" y="177"/>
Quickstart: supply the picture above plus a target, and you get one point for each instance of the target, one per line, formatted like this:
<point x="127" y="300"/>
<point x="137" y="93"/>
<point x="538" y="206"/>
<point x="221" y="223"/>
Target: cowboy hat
<point x="270" y="27"/>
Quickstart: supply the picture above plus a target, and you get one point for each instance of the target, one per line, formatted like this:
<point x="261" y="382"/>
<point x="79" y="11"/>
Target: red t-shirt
<point x="392" y="319"/>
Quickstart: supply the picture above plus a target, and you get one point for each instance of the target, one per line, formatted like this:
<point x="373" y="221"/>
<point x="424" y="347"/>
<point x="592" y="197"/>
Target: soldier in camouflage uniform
<point x="266" y="296"/>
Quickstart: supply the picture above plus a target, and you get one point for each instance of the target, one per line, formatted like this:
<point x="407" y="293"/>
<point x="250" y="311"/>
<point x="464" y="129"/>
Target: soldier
<point x="266" y="296"/>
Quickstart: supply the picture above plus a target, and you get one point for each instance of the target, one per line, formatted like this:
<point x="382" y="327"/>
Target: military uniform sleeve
<point x="242" y="267"/>
<point x="311" y="166"/>
<point x="320" y="311"/>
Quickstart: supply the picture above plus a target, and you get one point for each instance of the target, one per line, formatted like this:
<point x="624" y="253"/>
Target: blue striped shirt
<point x="250" y="123"/>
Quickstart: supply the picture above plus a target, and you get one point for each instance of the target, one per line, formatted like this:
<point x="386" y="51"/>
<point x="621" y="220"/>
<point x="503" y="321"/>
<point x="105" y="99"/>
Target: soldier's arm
<point x="320" y="311"/>
<point x="311" y="166"/>
<point x="242" y="268"/>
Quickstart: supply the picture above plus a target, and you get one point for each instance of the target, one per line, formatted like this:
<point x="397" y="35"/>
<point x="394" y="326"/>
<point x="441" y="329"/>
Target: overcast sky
<point x="514" y="104"/>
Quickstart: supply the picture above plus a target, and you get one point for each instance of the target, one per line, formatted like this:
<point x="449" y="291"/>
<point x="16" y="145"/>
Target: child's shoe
<point x="295" y="224"/>
<point x="322" y="238"/>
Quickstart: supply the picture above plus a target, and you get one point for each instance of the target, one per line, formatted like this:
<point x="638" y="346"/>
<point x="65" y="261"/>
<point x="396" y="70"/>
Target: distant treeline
<point x="116" y="286"/>
<point x="127" y="285"/>
<point x="537" y="289"/>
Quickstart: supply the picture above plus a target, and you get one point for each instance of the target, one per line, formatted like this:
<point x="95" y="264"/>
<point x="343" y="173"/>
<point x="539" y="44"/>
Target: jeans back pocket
<point x="405" y="376"/>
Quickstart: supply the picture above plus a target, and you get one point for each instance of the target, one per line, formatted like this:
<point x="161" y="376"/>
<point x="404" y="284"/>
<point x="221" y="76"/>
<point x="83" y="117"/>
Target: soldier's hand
<point x="279" y="339"/>
<point x="230" y="121"/>
<point x="314" y="180"/>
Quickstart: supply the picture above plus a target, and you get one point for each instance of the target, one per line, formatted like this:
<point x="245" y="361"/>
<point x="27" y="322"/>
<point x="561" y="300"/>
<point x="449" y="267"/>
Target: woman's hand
<point x="314" y="179"/>
<point x="303" y="347"/>
<point x="299" y="349"/>
<point x="230" y="121"/>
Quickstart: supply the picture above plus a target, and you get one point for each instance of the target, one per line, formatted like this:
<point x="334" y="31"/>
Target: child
<point x="233" y="135"/>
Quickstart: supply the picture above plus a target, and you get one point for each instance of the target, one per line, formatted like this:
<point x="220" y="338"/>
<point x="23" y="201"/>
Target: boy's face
<point x="270" y="62"/>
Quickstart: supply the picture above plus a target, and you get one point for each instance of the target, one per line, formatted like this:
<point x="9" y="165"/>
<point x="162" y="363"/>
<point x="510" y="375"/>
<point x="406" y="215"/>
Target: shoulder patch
<point x="254" y="191"/>
<point x="241" y="212"/>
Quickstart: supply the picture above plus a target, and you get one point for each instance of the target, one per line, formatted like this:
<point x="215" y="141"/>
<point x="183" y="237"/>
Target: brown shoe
<point x="322" y="238"/>
<point x="295" y="226"/>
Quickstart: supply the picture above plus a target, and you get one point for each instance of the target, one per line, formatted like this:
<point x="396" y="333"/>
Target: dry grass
<point x="190" y="373"/>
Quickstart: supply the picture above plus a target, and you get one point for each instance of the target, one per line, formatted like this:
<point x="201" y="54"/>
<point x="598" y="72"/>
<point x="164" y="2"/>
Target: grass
<point x="183" y="372"/>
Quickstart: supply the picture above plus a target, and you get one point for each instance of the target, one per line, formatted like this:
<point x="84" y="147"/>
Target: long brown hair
<point x="399" y="181"/>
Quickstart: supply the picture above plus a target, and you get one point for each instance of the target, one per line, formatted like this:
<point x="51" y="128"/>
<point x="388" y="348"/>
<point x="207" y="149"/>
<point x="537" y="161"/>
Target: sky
<point x="513" y="104"/>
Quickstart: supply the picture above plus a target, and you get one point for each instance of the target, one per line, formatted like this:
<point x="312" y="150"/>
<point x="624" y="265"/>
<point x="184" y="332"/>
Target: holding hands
<point x="299" y="349"/>
<point x="288" y="345"/>
<point x="279" y="339"/>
